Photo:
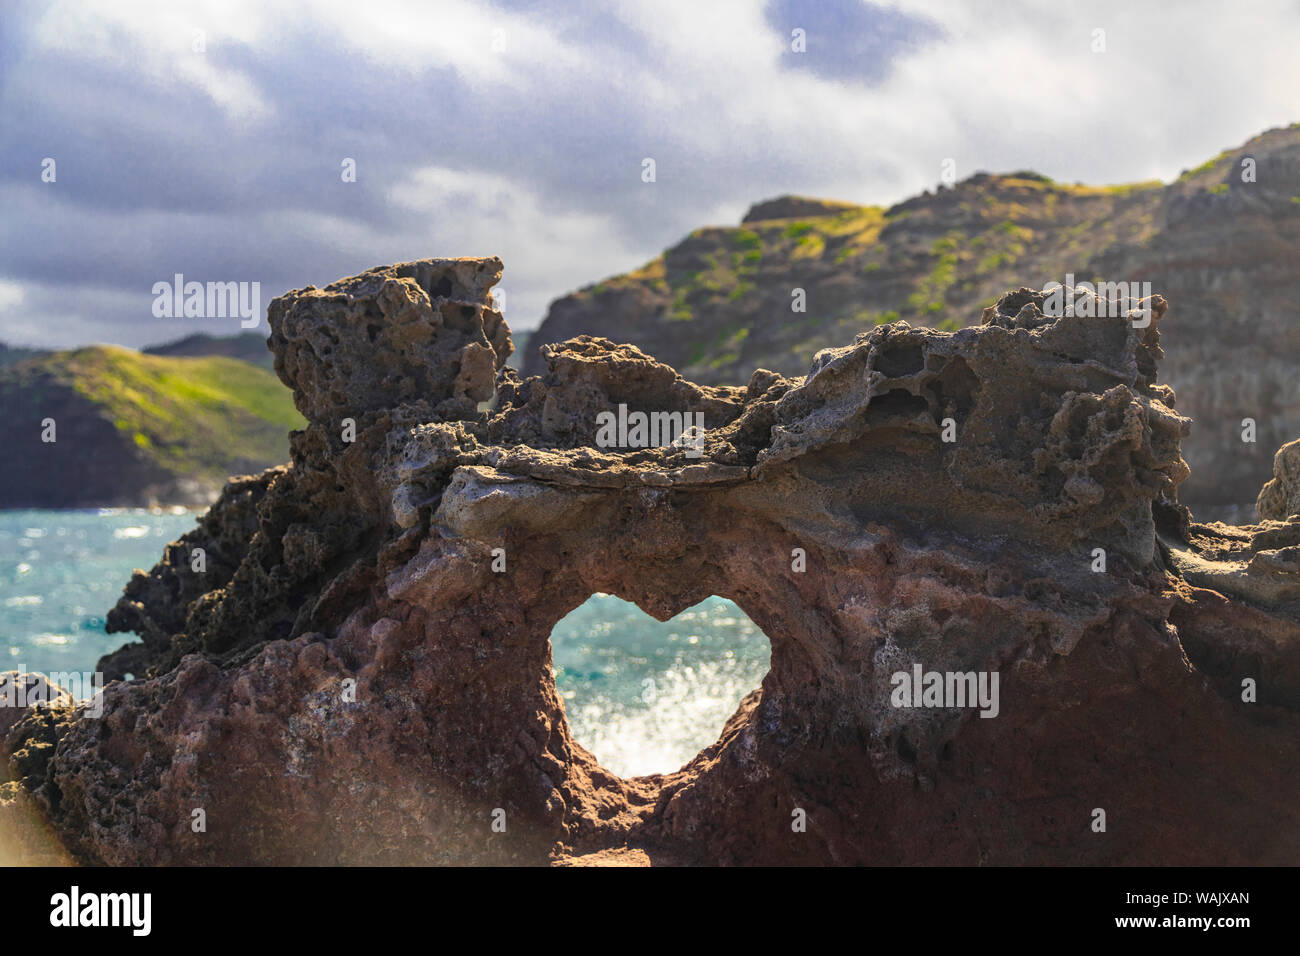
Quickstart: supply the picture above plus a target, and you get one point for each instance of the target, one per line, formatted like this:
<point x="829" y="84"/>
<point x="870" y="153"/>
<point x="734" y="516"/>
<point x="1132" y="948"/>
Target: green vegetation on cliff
<point x="133" y="428"/>
<point x="935" y="260"/>
<point x="190" y="414"/>
<point x="1220" y="242"/>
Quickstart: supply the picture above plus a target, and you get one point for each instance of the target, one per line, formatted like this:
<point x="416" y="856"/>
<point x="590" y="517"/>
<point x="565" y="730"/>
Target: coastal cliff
<point x="103" y="426"/>
<point x="1220" y="243"/>
<point x="362" y="672"/>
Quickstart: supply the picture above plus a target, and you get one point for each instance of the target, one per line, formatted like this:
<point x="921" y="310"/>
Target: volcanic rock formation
<point x="361" y="673"/>
<point x="1280" y="497"/>
<point x="1221" y="243"/>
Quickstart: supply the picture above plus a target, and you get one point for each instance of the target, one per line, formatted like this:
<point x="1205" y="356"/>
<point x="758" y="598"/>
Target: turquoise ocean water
<point x="60" y="572"/>
<point x="643" y="696"/>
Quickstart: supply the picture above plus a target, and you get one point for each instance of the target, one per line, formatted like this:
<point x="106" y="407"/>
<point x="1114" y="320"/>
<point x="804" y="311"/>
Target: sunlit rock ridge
<point x="1220" y="243"/>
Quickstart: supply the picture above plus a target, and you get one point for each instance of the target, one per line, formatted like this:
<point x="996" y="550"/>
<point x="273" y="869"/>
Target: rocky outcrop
<point x="793" y="207"/>
<point x="1280" y="496"/>
<point x="364" y="676"/>
<point x="799" y="275"/>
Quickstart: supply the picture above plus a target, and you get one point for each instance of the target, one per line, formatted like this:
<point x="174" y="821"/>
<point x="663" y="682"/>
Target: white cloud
<point x="165" y="36"/>
<point x="483" y="43"/>
<point x="11" y="296"/>
<point x="532" y="152"/>
<point x="474" y="213"/>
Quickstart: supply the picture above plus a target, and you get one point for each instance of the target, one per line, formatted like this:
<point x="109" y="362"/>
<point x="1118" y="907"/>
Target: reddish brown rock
<point x="357" y="683"/>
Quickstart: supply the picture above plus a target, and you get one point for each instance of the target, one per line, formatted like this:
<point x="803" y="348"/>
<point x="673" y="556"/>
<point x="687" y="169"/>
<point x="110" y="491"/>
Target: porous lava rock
<point x="362" y="671"/>
<point x="1280" y="496"/>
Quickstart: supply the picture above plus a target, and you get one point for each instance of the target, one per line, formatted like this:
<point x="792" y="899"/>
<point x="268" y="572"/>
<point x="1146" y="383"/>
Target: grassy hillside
<point x="1221" y="243"/>
<point x="135" y="428"/>
<point x="186" y="413"/>
<point x="719" y="303"/>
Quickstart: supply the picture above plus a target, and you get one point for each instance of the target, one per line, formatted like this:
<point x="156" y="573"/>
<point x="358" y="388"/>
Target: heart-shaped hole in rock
<point x="645" y="696"/>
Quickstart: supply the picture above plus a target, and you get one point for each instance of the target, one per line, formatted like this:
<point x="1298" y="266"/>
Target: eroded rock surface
<point x="1279" y="499"/>
<point x="1220" y="245"/>
<point x="351" y="680"/>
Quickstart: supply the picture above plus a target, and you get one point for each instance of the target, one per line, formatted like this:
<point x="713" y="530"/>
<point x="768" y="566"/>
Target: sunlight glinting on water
<point x="646" y="696"/>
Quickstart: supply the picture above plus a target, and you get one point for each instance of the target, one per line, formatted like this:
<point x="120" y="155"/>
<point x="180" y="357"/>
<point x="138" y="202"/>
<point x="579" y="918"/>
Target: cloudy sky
<point x="208" y="138"/>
